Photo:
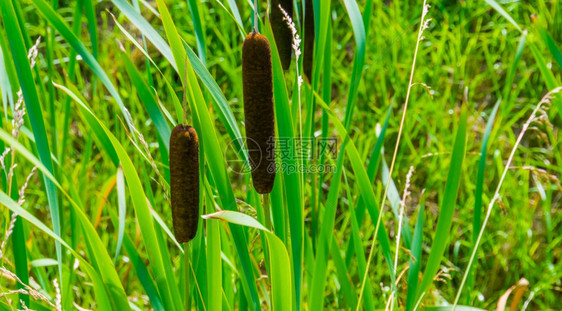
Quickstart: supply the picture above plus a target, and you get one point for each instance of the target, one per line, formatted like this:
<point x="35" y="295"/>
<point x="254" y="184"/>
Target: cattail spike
<point x="184" y="181"/>
<point x="258" y="110"/>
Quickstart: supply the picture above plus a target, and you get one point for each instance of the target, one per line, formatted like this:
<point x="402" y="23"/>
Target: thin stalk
<point x="186" y="271"/>
<point x="267" y="211"/>
<point x="256" y="16"/>
<point x="400" y="220"/>
<point x="422" y="27"/>
<point x="532" y="118"/>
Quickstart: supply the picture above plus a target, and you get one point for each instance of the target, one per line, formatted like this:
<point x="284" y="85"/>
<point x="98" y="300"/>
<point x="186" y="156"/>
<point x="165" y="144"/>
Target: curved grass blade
<point x="416" y="252"/>
<point x="236" y="13"/>
<point x="500" y="10"/>
<point x="447" y="208"/>
<point x="551" y="44"/>
<point x="511" y="75"/>
<point x="102" y="298"/>
<point x="27" y="84"/>
<point x="292" y="180"/>
<point x="281" y="284"/>
<point x="220" y="103"/>
<point x="20" y="255"/>
<point x="316" y="295"/>
<point x="358" y="59"/>
<point x="5" y="87"/>
<point x="204" y="124"/>
<point x="198" y="26"/>
<point x="214" y="272"/>
<point x="122" y="203"/>
<point x="547" y="75"/>
<point x="101" y="258"/>
<point x="102" y="140"/>
<point x="57" y="22"/>
<point x="372" y="168"/>
<point x="359" y="249"/>
<point x="150" y="103"/>
<point x="366" y="191"/>
<point x="146" y="29"/>
<point x="394" y="199"/>
<point x="92" y="25"/>
<point x="140" y="205"/>
<point x="477" y="216"/>
<point x="140" y="267"/>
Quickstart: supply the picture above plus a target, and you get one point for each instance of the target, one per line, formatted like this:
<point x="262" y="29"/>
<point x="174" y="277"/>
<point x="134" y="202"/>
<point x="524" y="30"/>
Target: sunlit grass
<point x="86" y="217"/>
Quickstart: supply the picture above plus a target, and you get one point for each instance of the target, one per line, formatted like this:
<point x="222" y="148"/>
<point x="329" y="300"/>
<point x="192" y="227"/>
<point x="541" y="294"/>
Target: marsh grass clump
<point x="184" y="181"/>
<point x="258" y="110"/>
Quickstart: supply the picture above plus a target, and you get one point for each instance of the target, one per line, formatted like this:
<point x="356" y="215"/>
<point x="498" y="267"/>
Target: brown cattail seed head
<point x="308" y="53"/>
<point x="281" y="31"/>
<point x="184" y="181"/>
<point x="258" y="110"/>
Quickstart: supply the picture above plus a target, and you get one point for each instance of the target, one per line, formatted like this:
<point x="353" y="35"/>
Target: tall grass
<point x="90" y="109"/>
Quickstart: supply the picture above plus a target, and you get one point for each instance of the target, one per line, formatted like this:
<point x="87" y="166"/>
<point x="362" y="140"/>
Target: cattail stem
<point x="267" y="211"/>
<point x="185" y="93"/>
<point x="256" y="16"/>
<point x="187" y="301"/>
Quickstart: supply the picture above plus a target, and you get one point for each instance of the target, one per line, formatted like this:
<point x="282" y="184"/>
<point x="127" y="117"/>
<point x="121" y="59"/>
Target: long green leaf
<point x="101" y="258"/>
<point x="416" y="252"/>
<point x="204" y="124"/>
<point x="477" y="213"/>
<point x="551" y="44"/>
<point x="122" y="210"/>
<point x="280" y="265"/>
<point x="19" y="54"/>
<point x="501" y="10"/>
<point x="224" y="112"/>
<point x="102" y="299"/>
<point x="292" y="180"/>
<point x="199" y="33"/>
<point x="366" y="191"/>
<point x="358" y="58"/>
<point x="447" y="208"/>
<point x="57" y="22"/>
<point x="150" y="103"/>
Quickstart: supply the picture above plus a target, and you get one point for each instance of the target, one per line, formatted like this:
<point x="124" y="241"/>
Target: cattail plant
<point x="184" y="181"/>
<point x="281" y="31"/>
<point x="308" y="39"/>
<point x="258" y="110"/>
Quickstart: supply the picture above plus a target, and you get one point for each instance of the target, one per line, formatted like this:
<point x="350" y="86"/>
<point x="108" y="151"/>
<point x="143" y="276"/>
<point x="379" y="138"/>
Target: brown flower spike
<point x="184" y="181"/>
<point x="258" y="110"/>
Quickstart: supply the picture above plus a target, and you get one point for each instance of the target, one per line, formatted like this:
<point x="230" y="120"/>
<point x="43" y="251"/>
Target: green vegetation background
<point x="107" y="86"/>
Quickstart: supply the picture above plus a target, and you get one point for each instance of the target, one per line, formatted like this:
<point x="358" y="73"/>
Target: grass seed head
<point x="184" y="181"/>
<point x="258" y="110"/>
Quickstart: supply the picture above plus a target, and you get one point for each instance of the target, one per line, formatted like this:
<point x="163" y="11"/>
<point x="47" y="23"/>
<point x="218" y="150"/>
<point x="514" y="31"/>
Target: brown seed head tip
<point x="256" y="43"/>
<point x="184" y="181"/>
